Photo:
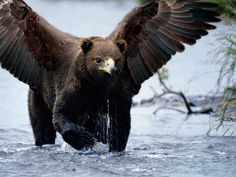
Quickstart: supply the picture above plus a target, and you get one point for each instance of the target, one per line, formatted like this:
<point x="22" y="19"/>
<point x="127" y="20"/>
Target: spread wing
<point x="157" y="30"/>
<point x="28" y="44"/>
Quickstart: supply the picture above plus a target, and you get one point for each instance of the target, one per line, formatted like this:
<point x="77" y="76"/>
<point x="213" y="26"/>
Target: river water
<point x="166" y="144"/>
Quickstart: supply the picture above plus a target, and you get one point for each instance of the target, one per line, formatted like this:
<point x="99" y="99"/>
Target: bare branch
<point x="174" y="109"/>
<point x="166" y="91"/>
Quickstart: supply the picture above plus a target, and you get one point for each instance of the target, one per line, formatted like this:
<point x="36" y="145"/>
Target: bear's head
<point x="103" y="57"/>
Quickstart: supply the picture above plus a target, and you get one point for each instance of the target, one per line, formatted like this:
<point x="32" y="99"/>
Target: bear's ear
<point x="86" y="45"/>
<point x="122" y="45"/>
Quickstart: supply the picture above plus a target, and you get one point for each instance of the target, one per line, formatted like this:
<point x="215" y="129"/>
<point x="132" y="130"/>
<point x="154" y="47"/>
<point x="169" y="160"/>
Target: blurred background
<point x="164" y="141"/>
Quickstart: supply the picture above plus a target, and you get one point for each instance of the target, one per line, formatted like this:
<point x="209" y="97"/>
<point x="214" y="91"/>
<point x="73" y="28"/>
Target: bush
<point x="227" y="7"/>
<point x="226" y="55"/>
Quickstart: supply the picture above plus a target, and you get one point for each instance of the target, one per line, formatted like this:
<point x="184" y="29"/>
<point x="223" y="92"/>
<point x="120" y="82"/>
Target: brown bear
<point x="76" y="100"/>
<point x="83" y="87"/>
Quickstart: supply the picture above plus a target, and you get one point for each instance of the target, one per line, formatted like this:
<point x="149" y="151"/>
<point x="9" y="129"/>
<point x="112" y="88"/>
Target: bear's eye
<point x="98" y="61"/>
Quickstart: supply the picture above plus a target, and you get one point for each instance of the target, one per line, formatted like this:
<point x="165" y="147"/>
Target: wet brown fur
<point x="79" y="94"/>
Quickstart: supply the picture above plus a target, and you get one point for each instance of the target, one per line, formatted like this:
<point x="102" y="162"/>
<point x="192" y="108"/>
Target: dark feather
<point x="4" y="42"/>
<point x="194" y="5"/>
<point x="161" y="33"/>
<point x="141" y="71"/>
<point x="179" y="37"/>
<point x="153" y="26"/>
<point x="17" y="69"/>
<point x="26" y="42"/>
<point x="171" y="42"/>
<point x="156" y="45"/>
<point x="186" y="31"/>
<point x="153" y="55"/>
<point x="155" y="38"/>
<point x="6" y="57"/>
<point x="27" y="66"/>
<point x="150" y="64"/>
<point x="6" y="21"/>
<point x="4" y="12"/>
<point x="193" y="26"/>
<point x="16" y="54"/>
<point x="21" y="66"/>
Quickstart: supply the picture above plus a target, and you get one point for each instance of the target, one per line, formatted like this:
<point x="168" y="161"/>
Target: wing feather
<point x="148" y="63"/>
<point x="157" y="31"/>
<point x="6" y="56"/>
<point x="171" y="42"/>
<point x="162" y="45"/>
<point x="15" y="55"/>
<point x="29" y="45"/>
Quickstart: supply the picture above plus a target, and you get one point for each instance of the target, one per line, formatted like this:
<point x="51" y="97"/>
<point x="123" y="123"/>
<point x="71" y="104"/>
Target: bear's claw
<point x="78" y="137"/>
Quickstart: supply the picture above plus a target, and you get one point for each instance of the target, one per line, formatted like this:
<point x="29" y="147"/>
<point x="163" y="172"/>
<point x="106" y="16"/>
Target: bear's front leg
<point x="64" y="120"/>
<point x="119" y="111"/>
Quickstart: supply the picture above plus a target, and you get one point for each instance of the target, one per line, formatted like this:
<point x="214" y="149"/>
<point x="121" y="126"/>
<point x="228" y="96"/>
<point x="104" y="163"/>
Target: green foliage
<point x="227" y="7"/>
<point x="164" y="74"/>
<point x="144" y="1"/>
<point x="226" y="55"/>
